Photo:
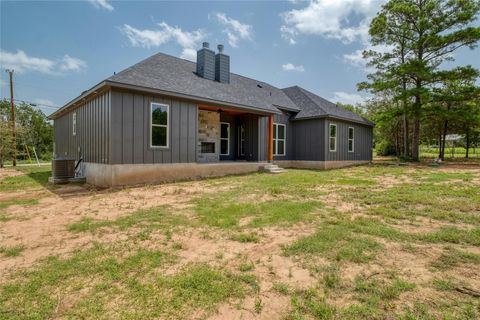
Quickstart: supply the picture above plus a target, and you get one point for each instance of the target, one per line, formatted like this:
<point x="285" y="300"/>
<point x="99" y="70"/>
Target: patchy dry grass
<point x="370" y="242"/>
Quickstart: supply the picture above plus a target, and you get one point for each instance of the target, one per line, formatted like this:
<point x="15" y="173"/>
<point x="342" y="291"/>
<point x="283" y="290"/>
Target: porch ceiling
<point x="230" y="110"/>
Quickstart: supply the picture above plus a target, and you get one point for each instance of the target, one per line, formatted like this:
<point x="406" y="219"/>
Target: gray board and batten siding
<point x="92" y="131"/>
<point x="131" y="130"/>
<point x="363" y="137"/>
<point x="114" y="128"/>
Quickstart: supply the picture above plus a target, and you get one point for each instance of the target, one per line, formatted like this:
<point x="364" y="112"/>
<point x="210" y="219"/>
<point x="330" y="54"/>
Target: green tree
<point x="33" y="128"/>
<point x="419" y="36"/>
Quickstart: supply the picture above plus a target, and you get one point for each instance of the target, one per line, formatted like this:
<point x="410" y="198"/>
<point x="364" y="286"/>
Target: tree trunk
<point x="444" y="140"/>
<point x="405" y="136"/>
<point x="397" y="142"/>
<point x="416" y="123"/>
<point x="467" y="140"/>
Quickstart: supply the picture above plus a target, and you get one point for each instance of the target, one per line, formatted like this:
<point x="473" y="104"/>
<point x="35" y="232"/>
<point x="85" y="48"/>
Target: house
<point x="166" y="118"/>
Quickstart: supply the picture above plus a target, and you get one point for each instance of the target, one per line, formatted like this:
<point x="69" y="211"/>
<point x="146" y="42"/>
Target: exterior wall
<point x="309" y="139"/>
<point x="130" y="130"/>
<point x="251" y="136"/>
<point x="108" y="175"/>
<point x="92" y="131"/>
<point x="262" y="138"/>
<point x="284" y="118"/>
<point x="225" y="117"/>
<point x="208" y="131"/>
<point x="363" y="136"/>
<point x="318" y="165"/>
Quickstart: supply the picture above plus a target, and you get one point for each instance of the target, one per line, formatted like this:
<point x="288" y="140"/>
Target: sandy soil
<point x="42" y="230"/>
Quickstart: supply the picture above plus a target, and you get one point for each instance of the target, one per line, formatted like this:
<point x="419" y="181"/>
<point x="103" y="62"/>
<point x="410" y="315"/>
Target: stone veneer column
<point x="208" y="131"/>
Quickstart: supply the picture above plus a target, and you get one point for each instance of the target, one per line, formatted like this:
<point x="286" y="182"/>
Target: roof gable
<point x="168" y="73"/>
<point x="313" y="106"/>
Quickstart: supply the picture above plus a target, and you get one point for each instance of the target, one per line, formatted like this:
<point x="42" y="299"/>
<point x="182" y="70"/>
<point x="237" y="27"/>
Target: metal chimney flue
<point x="206" y="45"/>
<point x="220" y="48"/>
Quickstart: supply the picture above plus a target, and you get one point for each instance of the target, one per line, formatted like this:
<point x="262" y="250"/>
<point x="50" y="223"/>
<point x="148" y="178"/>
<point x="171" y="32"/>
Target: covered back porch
<point x="227" y="134"/>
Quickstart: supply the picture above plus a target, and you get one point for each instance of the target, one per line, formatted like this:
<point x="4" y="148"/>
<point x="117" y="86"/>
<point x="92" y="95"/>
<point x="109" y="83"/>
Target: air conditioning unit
<point x="63" y="168"/>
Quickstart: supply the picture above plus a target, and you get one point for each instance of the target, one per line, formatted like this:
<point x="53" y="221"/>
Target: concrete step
<point x="270" y="166"/>
<point x="278" y="170"/>
<point x="273" y="168"/>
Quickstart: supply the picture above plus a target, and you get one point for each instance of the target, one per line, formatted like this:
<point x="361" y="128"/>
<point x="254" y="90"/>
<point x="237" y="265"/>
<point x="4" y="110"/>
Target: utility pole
<point x="12" y="110"/>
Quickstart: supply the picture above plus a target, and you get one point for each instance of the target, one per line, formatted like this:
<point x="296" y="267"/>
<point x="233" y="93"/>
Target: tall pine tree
<point x="420" y="35"/>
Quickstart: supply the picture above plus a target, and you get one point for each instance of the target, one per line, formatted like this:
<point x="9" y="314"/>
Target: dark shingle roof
<point x="178" y="76"/>
<point x="168" y="73"/>
<point x="313" y="106"/>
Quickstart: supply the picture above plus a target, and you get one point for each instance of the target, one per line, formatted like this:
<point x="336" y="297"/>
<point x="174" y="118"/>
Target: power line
<point x="35" y="104"/>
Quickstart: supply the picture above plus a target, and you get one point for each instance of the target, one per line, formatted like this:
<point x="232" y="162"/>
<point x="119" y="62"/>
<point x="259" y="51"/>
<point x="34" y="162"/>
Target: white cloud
<point x="147" y="38"/>
<point x="102" y="4"/>
<point x="21" y="63"/>
<point x="292" y="67"/>
<point x="234" y="29"/>
<point x="331" y="19"/>
<point x="356" y="58"/>
<point x="72" y="64"/>
<point x="348" y="98"/>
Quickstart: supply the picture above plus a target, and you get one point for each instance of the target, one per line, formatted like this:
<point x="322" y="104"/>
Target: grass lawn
<point x="370" y="242"/>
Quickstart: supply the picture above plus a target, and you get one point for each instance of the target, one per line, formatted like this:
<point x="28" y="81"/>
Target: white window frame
<point x="160" y="125"/>
<point x="227" y="138"/>
<point x="241" y="144"/>
<point x="74" y="124"/>
<point x="275" y="140"/>
<point x="330" y="137"/>
<point x="351" y="139"/>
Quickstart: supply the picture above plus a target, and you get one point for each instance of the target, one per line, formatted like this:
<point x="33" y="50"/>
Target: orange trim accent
<point x="227" y="110"/>
<point x="270" y="138"/>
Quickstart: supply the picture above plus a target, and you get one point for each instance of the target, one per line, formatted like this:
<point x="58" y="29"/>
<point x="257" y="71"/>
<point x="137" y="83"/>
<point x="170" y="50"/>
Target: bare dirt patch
<point x="41" y="229"/>
<point x="8" y="172"/>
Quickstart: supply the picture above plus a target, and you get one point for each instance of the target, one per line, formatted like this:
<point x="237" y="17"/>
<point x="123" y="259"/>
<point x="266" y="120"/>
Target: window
<point x="351" y="144"/>
<point x="74" y="124"/>
<point x="159" y="125"/>
<point x="241" y="138"/>
<point x="279" y="139"/>
<point x="333" y="138"/>
<point x="224" y="138"/>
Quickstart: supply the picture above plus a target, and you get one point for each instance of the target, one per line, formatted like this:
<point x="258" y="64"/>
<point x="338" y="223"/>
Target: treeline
<point x="33" y="131"/>
<point x="417" y="97"/>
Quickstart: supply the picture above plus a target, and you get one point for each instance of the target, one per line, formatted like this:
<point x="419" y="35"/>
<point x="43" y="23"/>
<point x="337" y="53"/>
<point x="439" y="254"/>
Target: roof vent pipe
<point x="206" y="45"/>
<point x="220" y="48"/>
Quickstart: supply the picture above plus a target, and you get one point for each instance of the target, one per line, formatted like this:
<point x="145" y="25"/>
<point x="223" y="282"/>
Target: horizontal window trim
<point x="160" y="125"/>
<point x="275" y="140"/>
<point x="334" y="137"/>
<point x="227" y="138"/>
<point x="353" y="140"/>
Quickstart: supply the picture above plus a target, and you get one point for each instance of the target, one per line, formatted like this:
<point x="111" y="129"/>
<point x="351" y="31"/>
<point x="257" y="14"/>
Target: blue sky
<point x="60" y="48"/>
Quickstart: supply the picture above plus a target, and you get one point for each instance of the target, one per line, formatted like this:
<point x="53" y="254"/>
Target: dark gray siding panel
<point x="308" y="140"/>
<point x="138" y="130"/>
<point x="225" y="117"/>
<point x="262" y="138"/>
<point x="362" y="142"/>
<point x="284" y="118"/>
<point x="92" y="131"/>
<point x="251" y="136"/>
<point x="131" y="130"/>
